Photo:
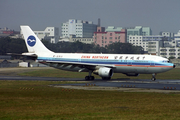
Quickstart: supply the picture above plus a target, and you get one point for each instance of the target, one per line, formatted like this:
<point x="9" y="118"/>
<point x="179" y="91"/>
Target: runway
<point x="144" y="84"/>
<point x="38" y="78"/>
<point x="121" y="83"/>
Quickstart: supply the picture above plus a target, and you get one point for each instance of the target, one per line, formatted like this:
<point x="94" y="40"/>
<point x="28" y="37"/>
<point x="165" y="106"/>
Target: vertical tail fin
<point x="33" y="44"/>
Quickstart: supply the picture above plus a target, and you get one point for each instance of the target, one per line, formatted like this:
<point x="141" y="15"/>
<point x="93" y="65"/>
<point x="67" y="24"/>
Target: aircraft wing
<point x="88" y="66"/>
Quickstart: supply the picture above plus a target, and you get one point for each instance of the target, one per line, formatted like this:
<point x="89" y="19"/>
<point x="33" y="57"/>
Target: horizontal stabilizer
<point x="26" y="56"/>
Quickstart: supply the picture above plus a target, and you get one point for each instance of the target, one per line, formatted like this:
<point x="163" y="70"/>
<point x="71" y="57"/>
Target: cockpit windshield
<point x="165" y="61"/>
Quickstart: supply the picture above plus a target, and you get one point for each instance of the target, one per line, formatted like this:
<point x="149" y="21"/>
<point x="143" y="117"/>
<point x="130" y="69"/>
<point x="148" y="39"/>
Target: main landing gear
<point x="89" y="77"/>
<point x="153" y="77"/>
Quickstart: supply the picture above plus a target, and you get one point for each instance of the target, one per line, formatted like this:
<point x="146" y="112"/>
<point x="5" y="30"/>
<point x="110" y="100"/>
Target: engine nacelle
<point x="104" y="72"/>
<point x="131" y="74"/>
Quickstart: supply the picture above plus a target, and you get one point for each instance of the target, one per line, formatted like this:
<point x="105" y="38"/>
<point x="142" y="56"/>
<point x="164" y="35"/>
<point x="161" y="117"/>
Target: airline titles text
<point x="94" y="57"/>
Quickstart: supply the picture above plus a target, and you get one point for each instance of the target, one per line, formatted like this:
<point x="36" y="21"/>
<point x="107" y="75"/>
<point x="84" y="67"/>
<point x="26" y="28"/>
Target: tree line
<point x="12" y="45"/>
<point x="79" y="47"/>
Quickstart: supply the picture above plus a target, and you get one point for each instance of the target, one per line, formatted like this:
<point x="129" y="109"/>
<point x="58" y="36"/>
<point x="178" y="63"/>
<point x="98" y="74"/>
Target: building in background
<point x="138" y="30"/>
<point x="6" y="32"/>
<point x="171" y="48"/>
<point x="83" y="40"/>
<point x="143" y="41"/>
<point x="168" y="35"/>
<point x="154" y="47"/>
<point x="73" y="38"/>
<point x="78" y="28"/>
<point x="108" y="36"/>
<point x="166" y="44"/>
<point x="50" y="33"/>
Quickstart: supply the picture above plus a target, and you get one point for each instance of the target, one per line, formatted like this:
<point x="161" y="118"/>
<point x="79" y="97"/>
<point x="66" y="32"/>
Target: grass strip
<point x="36" y="100"/>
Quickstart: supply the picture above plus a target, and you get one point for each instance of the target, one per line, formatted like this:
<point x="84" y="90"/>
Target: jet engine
<point x="104" y="72"/>
<point x="131" y="74"/>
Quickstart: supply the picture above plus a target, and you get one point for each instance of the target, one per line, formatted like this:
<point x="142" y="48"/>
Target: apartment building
<point x="138" y="31"/>
<point x="50" y="33"/>
<point x="108" y="36"/>
<point x="78" y="28"/>
<point x="145" y="42"/>
<point x="166" y="44"/>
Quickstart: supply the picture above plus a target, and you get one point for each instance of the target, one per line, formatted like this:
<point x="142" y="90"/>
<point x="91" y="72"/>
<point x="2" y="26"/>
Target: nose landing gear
<point x="153" y="77"/>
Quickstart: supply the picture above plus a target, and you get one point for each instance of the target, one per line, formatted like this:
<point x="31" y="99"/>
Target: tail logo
<point x="31" y="40"/>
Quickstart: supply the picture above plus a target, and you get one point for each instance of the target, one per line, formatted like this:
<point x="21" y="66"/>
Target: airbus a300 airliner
<point x="103" y="65"/>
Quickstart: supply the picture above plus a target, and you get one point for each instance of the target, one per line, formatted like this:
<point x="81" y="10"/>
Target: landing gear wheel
<point x="106" y="78"/>
<point x="153" y="77"/>
<point x="89" y="78"/>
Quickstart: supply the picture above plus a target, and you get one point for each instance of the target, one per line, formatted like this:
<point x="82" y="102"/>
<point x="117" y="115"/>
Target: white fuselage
<point x="120" y="63"/>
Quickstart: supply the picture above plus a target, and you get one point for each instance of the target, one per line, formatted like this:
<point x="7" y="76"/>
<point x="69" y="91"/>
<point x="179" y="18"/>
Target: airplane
<point x="103" y="65"/>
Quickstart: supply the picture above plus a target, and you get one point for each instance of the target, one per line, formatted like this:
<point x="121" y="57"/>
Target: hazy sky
<point x="160" y="15"/>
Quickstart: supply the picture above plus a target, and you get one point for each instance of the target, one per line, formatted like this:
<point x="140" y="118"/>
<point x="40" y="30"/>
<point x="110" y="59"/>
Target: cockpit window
<point x="165" y="61"/>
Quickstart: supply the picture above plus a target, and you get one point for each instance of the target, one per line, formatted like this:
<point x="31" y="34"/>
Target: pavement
<point x="98" y="84"/>
<point x="173" y="85"/>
